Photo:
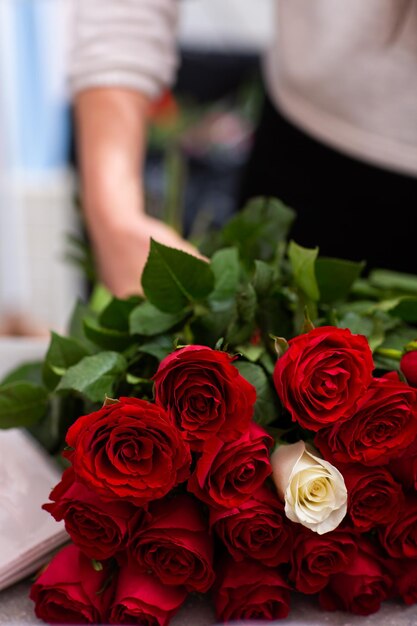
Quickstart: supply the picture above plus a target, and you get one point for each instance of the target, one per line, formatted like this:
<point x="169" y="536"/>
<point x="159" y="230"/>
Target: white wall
<point x="36" y="188"/>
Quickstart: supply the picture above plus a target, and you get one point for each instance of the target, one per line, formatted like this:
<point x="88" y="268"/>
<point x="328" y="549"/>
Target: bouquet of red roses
<point x="187" y="494"/>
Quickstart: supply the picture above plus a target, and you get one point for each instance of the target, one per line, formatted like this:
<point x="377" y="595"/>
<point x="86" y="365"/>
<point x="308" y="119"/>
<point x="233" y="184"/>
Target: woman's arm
<point x="124" y="54"/>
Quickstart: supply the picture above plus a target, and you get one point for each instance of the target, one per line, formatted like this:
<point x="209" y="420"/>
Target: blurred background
<point x="198" y="143"/>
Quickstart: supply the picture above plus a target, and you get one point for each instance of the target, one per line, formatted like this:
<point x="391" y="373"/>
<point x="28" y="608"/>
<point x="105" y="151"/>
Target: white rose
<point x="313" y="490"/>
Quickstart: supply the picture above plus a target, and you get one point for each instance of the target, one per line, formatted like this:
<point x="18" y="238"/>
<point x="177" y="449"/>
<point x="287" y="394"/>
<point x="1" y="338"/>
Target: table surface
<point x="16" y="608"/>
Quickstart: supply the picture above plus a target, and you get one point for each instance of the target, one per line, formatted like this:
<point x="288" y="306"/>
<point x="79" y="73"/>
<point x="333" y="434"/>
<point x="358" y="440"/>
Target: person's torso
<point x="346" y="72"/>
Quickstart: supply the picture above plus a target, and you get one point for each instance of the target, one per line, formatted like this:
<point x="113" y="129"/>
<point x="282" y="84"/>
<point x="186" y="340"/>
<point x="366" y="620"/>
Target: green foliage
<point x="173" y="279"/>
<point x="256" y="287"/>
<point x="335" y="278"/>
<point x="303" y="262"/>
<point x="258" y="230"/>
<point x="94" y="376"/>
<point x="266" y="406"/>
<point x="148" y="320"/>
<point x="21" y="404"/>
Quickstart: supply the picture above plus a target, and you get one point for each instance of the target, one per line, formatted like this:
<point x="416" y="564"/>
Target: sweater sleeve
<point x="124" y="43"/>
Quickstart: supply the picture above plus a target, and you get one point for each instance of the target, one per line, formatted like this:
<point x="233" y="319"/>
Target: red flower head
<point x="67" y="592"/>
<point x="204" y="395"/>
<point x="128" y="451"/>
<point x="174" y="543"/>
<point x="141" y="598"/>
<point x="323" y="375"/>
<point x="248" y="590"/>
<point x="98" y="527"/>
<point x="227" y="474"/>
<point x="382" y="428"/>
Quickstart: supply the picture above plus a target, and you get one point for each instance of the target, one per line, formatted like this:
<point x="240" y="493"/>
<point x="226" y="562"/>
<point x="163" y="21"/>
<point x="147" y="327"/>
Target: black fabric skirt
<point x="350" y="209"/>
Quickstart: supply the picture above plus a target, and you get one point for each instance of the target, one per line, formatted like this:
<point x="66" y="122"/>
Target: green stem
<point x="390" y="353"/>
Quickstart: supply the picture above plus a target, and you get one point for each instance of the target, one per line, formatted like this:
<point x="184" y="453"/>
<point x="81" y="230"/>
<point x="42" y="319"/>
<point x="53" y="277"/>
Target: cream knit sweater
<point x="345" y="71"/>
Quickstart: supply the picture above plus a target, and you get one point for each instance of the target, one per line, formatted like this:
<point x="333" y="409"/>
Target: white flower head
<point x="313" y="490"/>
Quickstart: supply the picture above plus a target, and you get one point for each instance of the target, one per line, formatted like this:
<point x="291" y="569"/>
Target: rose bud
<point x="69" y="590"/>
<point x="128" y="451"/>
<point x="227" y="474"/>
<point x="313" y="490"/>
<point x="257" y="529"/>
<point x="174" y="543"/>
<point x="141" y="598"/>
<point x="361" y="587"/>
<point x="408" y="366"/>
<point x="96" y="526"/>
<point x="204" y="394"/>
<point x="323" y="375"/>
<point x="248" y="590"/>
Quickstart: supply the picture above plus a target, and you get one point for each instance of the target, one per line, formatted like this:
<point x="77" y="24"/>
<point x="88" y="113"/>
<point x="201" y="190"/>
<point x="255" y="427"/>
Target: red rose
<point x="227" y="474"/>
<point x="67" y="592"/>
<point x="323" y="375"/>
<point x="175" y="544"/>
<point x="257" y="529"/>
<point x="248" y="590"/>
<point x="404" y="469"/>
<point x="374" y="497"/>
<point x="128" y="451"/>
<point x="408" y="366"/>
<point x="96" y="526"/>
<point x="315" y="558"/>
<point x="383" y="426"/>
<point x="399" y="538"/>
<point x="141" y="598"/>
<point x="204" y="394"/>
<point x="404" y="575"/>
<point x="361" y="587"/>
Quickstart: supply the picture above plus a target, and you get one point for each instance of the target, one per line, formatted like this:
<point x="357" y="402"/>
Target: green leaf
<point x="406" y="309"/>
<point x="63" y="352"/>
<point x="100" y="298"/>
<point x="266" y="407"/>
<point x="106" y="338"/>
<point x="226" y="270"/>
<point x="250" y="352"/>
<point x="303" y="267"/>
<point x="159" y="348"/>
<point x="95" y="376"/>
<point x="335" y="277"/>
<point x="242" y="326"/>
<point x="147" y="320"/>
<point x="374" y="327"/>
<point x="28" y="372"/>
<point x="258" y="229"/>
<point x="117" y="313"/>
<point x="393" y="281"/>
<point x="81" y="312"/>
<point x="399" y="337"/>
<point x="21" y="404"/>
<point x="357" y="324"/>
<point x="173" y="279"/>
<point x="263" y="278"/>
